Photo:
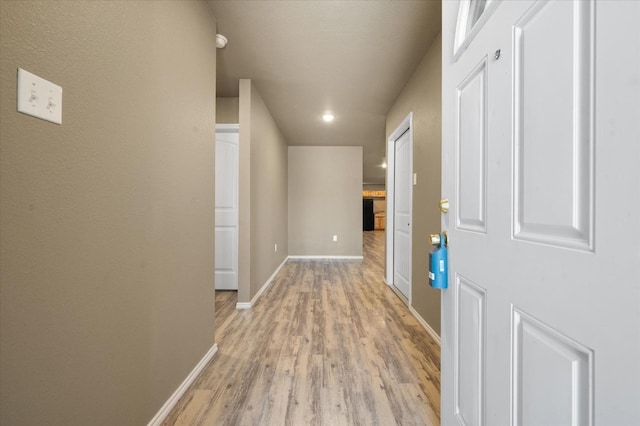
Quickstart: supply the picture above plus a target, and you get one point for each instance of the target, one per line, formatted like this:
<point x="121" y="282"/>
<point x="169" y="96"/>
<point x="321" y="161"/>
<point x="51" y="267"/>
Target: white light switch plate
<point x="39" y="97"/>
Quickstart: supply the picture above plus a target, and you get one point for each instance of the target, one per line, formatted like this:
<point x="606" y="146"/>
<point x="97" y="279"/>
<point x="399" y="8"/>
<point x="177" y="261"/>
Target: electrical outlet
<point x="335" y="238"/>
<point x="39" y="97"/>
<point x="275" y="247"/>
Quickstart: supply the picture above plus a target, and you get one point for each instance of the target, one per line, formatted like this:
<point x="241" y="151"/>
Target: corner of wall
<point x="268" y="193"/>
<point x="422" y="96"/>
<point x="244" y="202"/>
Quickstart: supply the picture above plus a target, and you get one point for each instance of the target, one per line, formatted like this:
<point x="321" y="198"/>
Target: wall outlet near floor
<point x="335" y="238"/>
<point x="275" y="248"/>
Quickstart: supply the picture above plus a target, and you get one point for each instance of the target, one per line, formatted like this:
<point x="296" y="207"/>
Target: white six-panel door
<point x="541" y="163"/>
<point x="226" y="233"/>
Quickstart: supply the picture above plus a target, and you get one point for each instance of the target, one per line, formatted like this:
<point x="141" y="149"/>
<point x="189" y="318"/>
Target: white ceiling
<point x="350" y="57"/>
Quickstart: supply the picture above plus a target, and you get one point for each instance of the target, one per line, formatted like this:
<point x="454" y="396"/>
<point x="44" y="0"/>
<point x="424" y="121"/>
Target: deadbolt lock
<point x="444" y="205"/>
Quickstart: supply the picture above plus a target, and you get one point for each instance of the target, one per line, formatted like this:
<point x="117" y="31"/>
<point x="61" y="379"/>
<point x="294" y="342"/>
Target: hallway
<point x="327" y="344"/>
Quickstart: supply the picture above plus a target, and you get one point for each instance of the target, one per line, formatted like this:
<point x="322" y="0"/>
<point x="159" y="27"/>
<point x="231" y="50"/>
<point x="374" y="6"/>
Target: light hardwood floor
<point x="328" y="343"/>
<point x="225" y="307"/>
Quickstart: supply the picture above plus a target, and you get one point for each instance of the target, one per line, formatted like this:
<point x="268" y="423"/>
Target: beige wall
<point x="244" y="195"/>
<point x="263" y="193"/>
<point x="227" y="110"/>
<point x="422" y="95"/>
<point x="373" y="187"/>
<point x="325" y="199"/>
<point x="107" y="259"/>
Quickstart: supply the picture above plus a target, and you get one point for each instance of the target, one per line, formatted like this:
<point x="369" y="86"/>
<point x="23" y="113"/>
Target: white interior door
<point x="541" y="137"/>
<point x="402" y="215"/>
<point x="226" y="238"/>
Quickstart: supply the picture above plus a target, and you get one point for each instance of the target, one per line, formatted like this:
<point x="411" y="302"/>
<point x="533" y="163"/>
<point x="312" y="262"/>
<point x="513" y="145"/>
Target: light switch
<point x="39" y="97"/>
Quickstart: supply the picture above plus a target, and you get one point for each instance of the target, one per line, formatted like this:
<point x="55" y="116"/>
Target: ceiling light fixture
<point x="384" y="165"/>
<point x="221" y="41"/>
<point x="328" y="117"/>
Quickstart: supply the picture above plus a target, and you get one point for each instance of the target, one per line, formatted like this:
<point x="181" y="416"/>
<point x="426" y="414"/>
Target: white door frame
<point x="405" y="125"/>
<point x="232" y="128"/>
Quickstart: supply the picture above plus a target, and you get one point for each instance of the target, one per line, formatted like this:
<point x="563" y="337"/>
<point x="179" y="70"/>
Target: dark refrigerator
<point x="368" y="218"/>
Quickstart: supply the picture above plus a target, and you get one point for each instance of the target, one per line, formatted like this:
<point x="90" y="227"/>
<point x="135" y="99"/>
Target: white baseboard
<point x="245" y="305"/>
<point x="327" y="257"/>
<point x="173" y="399"/>
<point x="426" y="326"/>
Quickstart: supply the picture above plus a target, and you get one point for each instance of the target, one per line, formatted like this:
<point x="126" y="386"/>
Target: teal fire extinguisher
<point x="439" y="262"/>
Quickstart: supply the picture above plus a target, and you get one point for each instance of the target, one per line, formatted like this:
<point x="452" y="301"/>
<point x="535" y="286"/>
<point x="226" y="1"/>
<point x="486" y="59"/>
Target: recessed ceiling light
<point x="328" y="117"/>
<point x="384" y="165"/>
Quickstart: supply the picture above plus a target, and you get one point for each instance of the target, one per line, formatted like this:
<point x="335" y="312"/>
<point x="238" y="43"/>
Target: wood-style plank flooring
<point x="225" y="307"/>
<point x="328" y="343"/>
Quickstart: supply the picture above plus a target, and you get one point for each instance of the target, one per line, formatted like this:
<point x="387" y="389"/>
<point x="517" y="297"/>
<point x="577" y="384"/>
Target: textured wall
<point x="268" y="193"/>
<point x="106" y="254"/>
<point x="244" y="196"/>
<point x="325" y="199"/>
<point x="422" y="95"/>
<point x="263" y="193"/>
<point x="373" y="187"/>
<point x="227" y="110"/>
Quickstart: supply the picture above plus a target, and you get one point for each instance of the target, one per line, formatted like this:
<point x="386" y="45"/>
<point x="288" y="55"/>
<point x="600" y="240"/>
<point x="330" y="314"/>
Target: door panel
<point x="225" y="260"/>
<point x="469" y="357"/>
<point x="546" y="290"/>
<point x="559" y="137"/>
<point x="402" y="215"/>
<point x="226" y="234"/>
<point x="552" y="375"/>
<point x="471" y="148"/>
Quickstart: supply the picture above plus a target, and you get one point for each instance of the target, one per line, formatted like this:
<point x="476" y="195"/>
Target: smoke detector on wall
<point x="221" y="41"/>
